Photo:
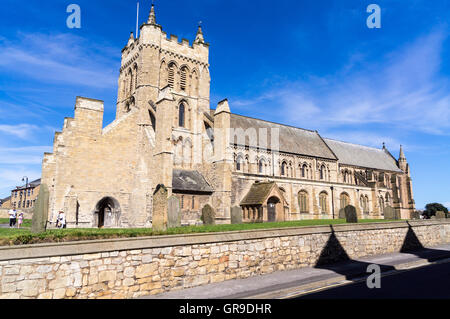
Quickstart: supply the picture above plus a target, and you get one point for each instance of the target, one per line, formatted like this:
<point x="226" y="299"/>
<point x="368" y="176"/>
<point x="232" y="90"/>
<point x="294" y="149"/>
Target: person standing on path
<point x="20" y="220"/>
<point x="12" y="217"/>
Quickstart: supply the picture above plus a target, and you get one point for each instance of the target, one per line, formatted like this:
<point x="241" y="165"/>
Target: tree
<point x="431" y="209"/>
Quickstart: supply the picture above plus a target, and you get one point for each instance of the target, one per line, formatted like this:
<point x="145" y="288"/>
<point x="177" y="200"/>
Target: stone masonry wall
<point x="135" y="267"/>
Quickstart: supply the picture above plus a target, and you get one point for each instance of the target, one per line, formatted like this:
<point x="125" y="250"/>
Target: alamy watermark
<point x="74" y="19"/>
<point x="374" y="280"/>
<point x="374" y="20"/>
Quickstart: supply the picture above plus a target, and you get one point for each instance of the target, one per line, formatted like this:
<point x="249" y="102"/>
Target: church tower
<point x="152" y="61"/>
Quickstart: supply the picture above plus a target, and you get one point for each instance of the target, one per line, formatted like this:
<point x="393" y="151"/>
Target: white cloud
<point x="402" y="90"/>
<point x="15" y="163"/>
<point x="22" y="131"/>
<point x="61" y="58"/>
<point x="23" y="155"/>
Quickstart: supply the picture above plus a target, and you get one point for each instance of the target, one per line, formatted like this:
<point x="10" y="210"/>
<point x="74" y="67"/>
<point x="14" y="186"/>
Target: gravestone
<point x="208" y="215"/>
<point x="159" y="221"/>
<point x="415" y="215"/>
<point x="350" y="214"/>
<point x="173" y="212"/>
<point x="391" y="213"/>
<point x="236" y="215"/>
<point x="342" y="213"/>
<point x="440" y="215"/>
<point x="40" y="214"/>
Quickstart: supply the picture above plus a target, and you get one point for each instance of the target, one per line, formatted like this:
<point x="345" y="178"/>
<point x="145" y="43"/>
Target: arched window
<point x="283" y="169"/>
<point x="303" y="202"/>
<point x="261" y="165"/>
<point x="322" y="172"/>
<point x="181" y="115"/>
<point x="135" y="70"/>
<point x="152" y="120"/>
<point x="183" y="78"/>
<point x="304" y="170"/>
<point x="130" y="76"/>
<point x="323" y="202"/>
<point x="171" y="75"/>
<point x="239" y="161"/>
<point x="345" y="200"/>
<point x="381" y="201"/>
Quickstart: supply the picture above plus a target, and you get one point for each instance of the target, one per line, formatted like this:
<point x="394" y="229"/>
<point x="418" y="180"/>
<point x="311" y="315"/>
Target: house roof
<point x="363" y="156"/>
<point x="5" y="199"/>
<point x="34" y="183"/>
<point x="291" y="139"/>
<point x="190" y="181"/>
<point x="257" y="194"/>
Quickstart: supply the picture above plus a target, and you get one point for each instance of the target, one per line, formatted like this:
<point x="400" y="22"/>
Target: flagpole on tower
<point x="137" y="21"/>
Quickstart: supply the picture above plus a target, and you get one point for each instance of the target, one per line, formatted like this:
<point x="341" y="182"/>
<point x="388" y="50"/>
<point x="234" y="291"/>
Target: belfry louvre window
<point x="183" y="79"/>
<point x="171" y="77"/>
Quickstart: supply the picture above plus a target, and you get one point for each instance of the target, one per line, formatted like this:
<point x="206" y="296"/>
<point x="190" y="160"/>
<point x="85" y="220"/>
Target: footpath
<point x="286" y="284"/>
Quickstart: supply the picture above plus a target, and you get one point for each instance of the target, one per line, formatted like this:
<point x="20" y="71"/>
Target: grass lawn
<point x="26" y="222"/>
<point x="16" y="236"/>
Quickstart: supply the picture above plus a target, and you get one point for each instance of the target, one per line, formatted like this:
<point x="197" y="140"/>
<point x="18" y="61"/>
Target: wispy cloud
<point x="22" y="131"/>
<point x="61" y="58"/>
<point x="403" y="90"/>
<point x="17" y="162"/>
<point x="23" y="155"/>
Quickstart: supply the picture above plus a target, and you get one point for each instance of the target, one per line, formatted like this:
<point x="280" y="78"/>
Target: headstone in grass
<point x="440" y="215"/>
<point x="391" y="213"/>
<point x="342" y="213"/>
<point x="173" y="212"/>
<point x="350" y="214"/>
<point x="236" y="215"/>
<point x="159" y="215"/>
<point x="208" y="215"/>
<point x="415" y="215"/>
<point x="40" y="214"/>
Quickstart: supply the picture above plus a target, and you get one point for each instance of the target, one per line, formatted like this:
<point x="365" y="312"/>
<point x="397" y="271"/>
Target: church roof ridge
<point x="271" y="122"/>
<point x="354" y="144"/>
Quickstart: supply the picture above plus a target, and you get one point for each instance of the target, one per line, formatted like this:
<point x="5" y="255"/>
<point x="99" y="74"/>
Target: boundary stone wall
<point x="129" y="268"/>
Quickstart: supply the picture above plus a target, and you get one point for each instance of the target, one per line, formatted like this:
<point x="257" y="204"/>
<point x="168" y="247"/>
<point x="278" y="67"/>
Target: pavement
<point x="294" y="283"/>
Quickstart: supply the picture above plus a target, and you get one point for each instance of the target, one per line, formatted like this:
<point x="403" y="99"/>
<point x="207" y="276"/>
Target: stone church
<point x="166" y="133"/>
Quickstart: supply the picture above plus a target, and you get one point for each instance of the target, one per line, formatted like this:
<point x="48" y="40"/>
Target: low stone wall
<point x="129" y="268"/>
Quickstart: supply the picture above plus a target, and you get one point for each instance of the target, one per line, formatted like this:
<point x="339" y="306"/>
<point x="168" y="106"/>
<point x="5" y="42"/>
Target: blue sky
<point x="308" y="63"/>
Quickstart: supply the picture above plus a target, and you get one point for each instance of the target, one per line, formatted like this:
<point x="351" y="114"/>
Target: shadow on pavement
<point x="334" y="257"/>
<point x="412" y="245"/>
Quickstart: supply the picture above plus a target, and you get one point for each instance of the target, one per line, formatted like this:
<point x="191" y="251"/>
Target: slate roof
<point x="292" y="140"/>
<point x="34" y="183"/>
<point x="190" y="181"/>
<point x="363" y="156"/>
<point x="258" y="194"/>
<point x="4" y="200"/>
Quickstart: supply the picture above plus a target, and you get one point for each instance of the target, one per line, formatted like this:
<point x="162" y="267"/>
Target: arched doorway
<point x="107" y="212"/>
<point x="272" y="205"/>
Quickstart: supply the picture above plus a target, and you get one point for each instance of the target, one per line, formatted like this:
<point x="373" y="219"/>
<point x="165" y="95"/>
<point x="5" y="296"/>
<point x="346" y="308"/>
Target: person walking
<point x="12" y="217"/>
<point x="20" y="220"/>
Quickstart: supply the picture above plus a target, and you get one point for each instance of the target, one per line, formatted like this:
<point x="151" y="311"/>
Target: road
<point x="426" y="282"/>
